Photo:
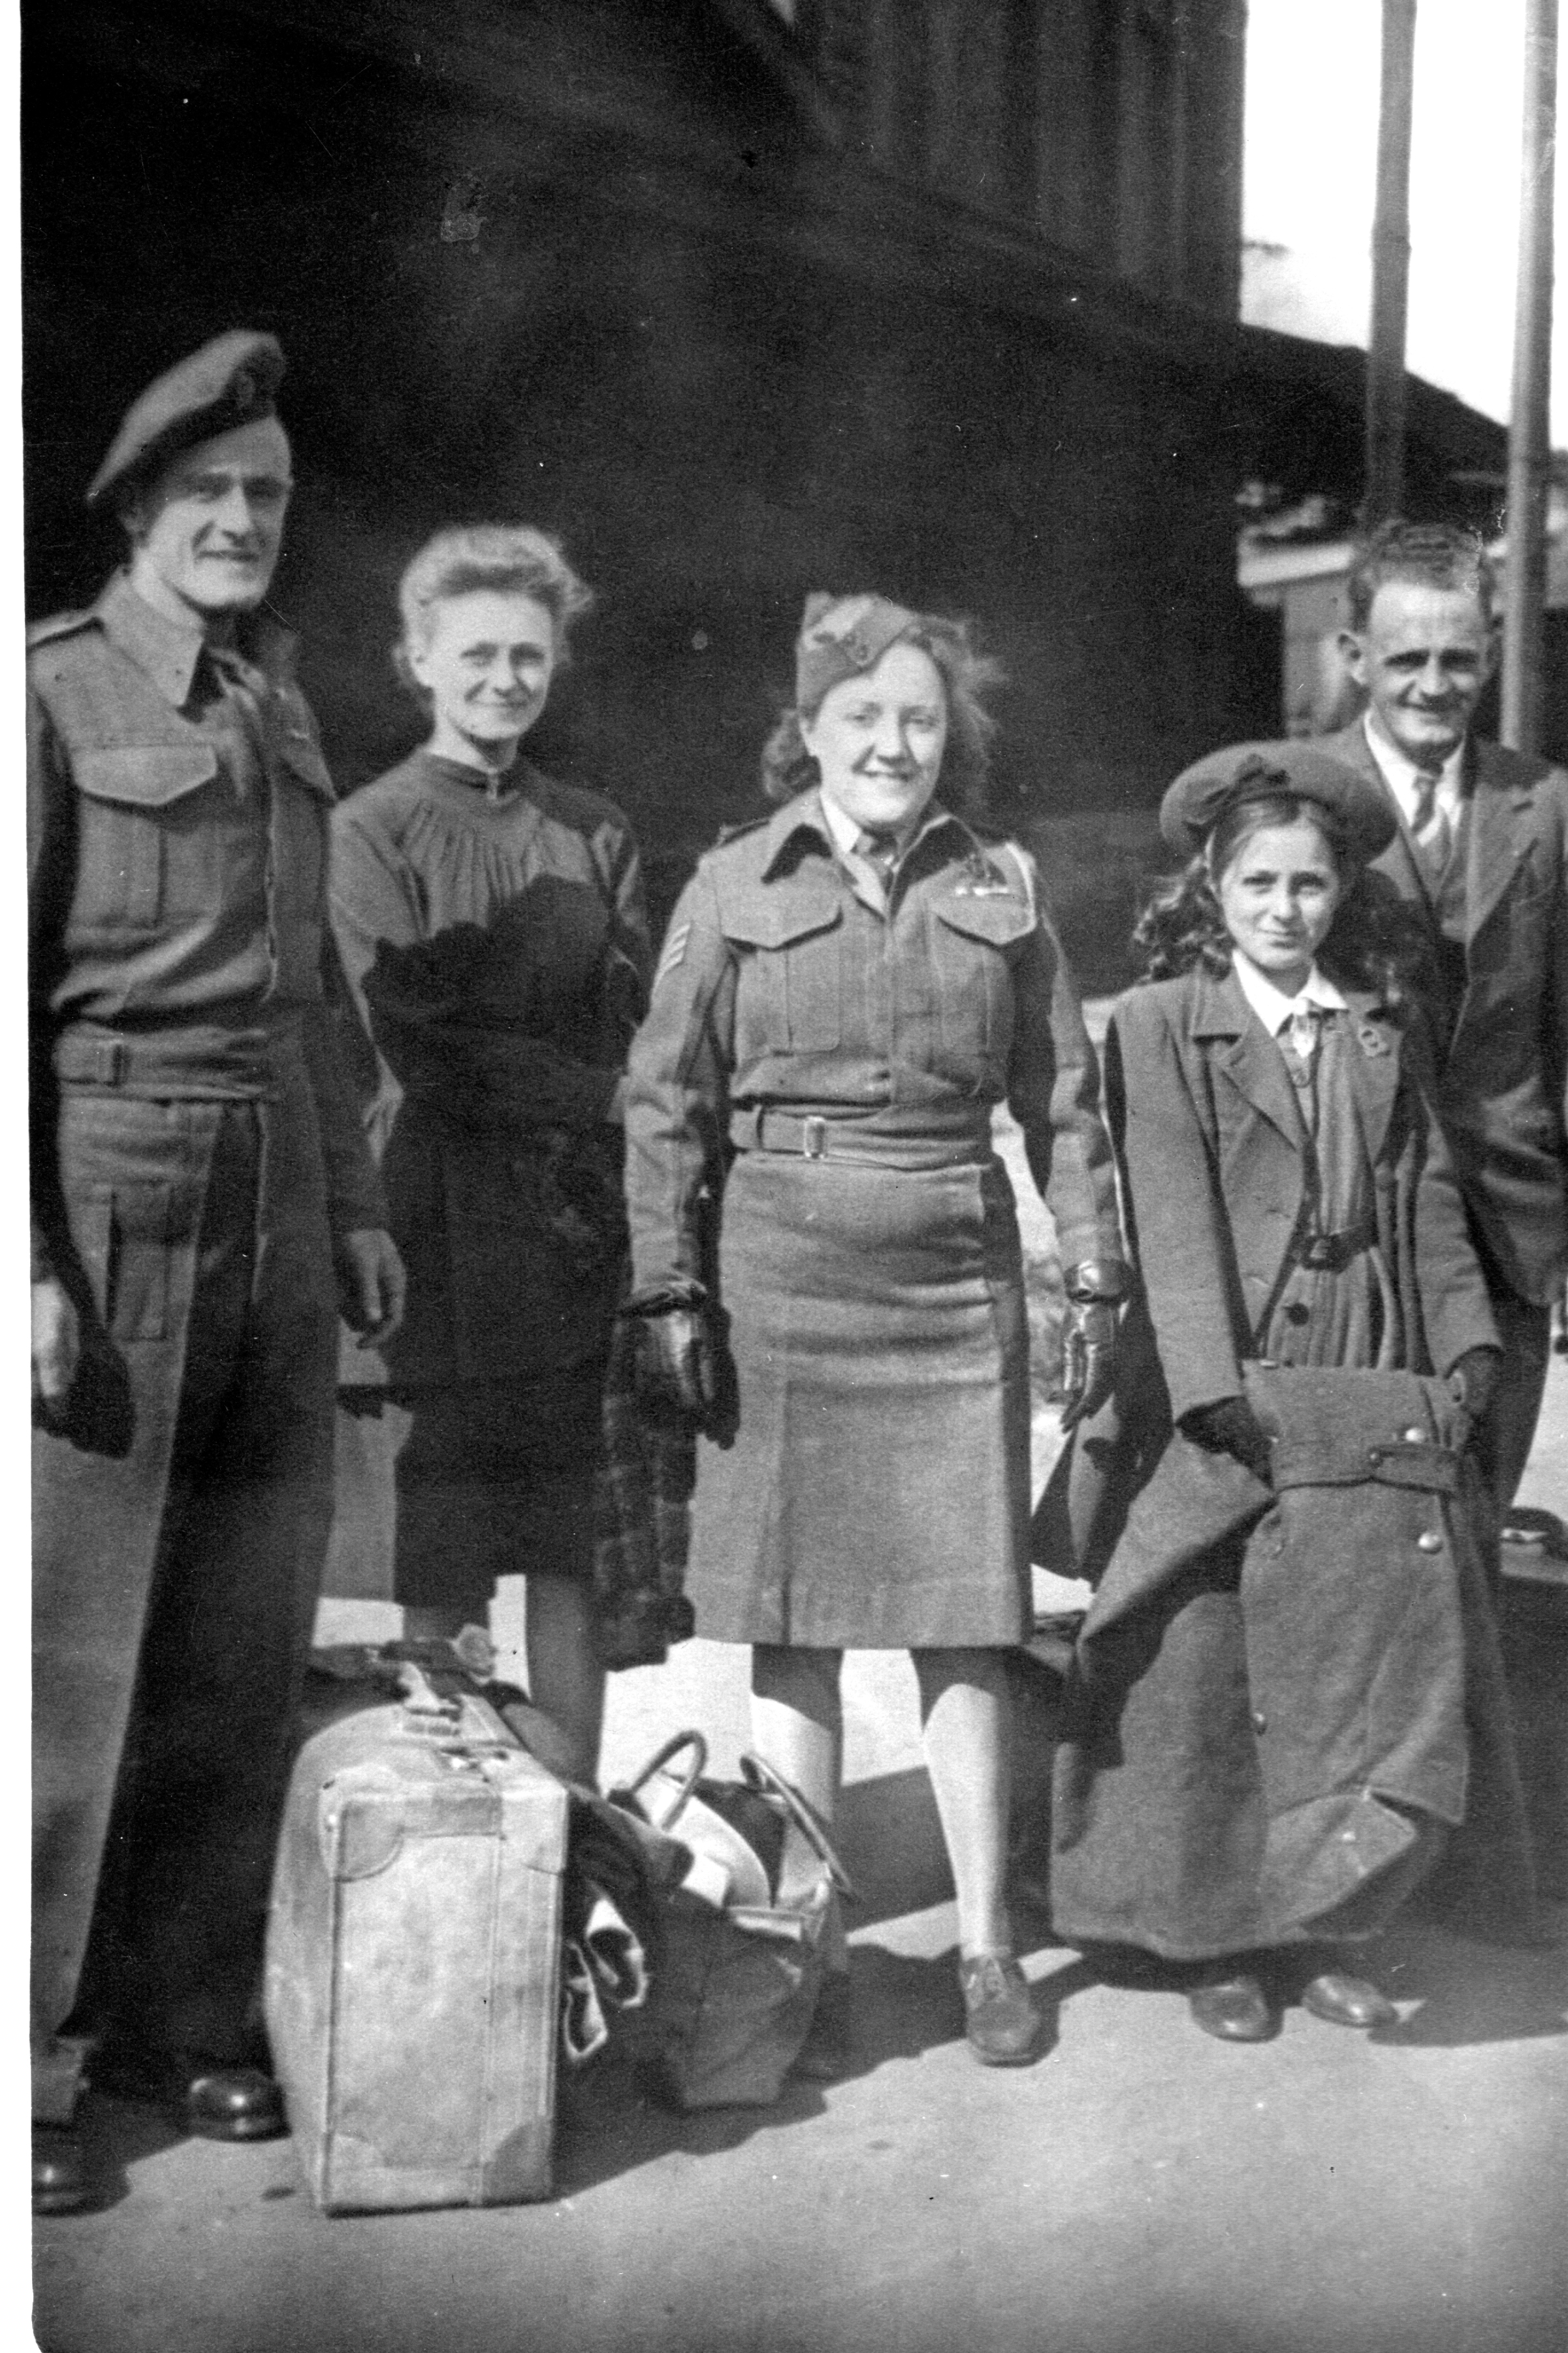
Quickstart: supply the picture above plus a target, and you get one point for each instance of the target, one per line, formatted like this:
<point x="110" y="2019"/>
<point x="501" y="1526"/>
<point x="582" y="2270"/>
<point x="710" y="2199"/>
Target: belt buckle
<point x="813" y="1141"/>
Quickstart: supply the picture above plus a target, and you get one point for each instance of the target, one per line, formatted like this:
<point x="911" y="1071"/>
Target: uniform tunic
<point x="842" y="1049"/>
<point x="495" y="939"/>
<point x="194" y="1148"/>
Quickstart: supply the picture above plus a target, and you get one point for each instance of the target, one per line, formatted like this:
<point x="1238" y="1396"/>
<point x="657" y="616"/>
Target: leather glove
<point x="1095" y="1291"/>
<point x="675" y="1368"/>
<point x="1473" y="1379"/>
<point x="1230" y="1427"/>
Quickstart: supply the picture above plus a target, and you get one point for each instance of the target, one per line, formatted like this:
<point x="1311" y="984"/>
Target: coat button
<point x="1374" y="1455"/>
<point x="1413" y="1437"/>
<point x="1297" y="1311"/>
<point x="1259" y="1721"/>
<point x="1428" y="1541"/>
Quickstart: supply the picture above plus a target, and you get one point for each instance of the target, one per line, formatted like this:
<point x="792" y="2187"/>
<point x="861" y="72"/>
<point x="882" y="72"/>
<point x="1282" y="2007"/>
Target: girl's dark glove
<point x="1230" y="1427"/>
<point x="675" y="1368"/>
<point x="1095" y="1290"/>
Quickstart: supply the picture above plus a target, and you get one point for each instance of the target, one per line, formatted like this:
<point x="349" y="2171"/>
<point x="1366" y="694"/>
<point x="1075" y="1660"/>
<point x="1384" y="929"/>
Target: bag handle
<point x="762" y="1776"/>
<point x="672" y="1747"/>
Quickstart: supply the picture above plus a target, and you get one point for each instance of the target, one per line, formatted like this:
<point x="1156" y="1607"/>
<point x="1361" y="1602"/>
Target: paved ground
<point x="1141" y="2189"/>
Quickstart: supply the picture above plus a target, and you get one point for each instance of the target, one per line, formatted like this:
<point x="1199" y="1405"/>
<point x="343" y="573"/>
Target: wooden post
<point x="1529" y="440"/>
<point x="1385" y="488"/>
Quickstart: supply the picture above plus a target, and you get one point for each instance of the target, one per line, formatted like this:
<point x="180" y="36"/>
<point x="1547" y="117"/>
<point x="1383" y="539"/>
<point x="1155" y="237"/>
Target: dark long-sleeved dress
<point x="495" y="939"/>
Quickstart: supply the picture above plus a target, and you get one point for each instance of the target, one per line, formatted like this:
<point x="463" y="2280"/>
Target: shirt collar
<point x="167" y="654"/>
<point x="1271" y="1005"/>
<point x="810" y="813"/>
<point x="1400" y="770"/>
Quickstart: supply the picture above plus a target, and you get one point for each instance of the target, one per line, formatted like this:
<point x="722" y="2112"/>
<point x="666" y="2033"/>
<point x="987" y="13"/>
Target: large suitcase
<point x="414" y="1958"/>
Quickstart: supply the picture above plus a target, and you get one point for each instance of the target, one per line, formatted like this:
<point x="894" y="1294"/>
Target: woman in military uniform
<point x="491" y="923"/>
<point x="846" y="991"/>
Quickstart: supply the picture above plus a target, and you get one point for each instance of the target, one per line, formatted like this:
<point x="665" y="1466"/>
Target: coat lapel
<point x="1247" y="1056"/>
<point x="1373" y="1060"/>
<point x="1400" y="861"/>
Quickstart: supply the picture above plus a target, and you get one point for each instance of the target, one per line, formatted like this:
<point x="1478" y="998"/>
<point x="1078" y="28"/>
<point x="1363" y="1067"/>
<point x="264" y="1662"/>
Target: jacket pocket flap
<point x="148" y="775"/>
<point x="762" y="923"/>
<point x="999" y="918"/>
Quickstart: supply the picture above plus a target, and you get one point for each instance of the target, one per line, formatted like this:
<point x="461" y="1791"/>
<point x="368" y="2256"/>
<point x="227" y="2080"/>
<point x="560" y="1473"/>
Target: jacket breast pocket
<point x="789" y="994"/>
<point x="973" y="938"/>
<point x="134" y="797"/>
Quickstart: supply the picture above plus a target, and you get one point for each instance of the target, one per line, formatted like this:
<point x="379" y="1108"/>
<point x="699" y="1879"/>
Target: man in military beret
<point x="1480" y="855"/>
<point x="203" y="1205"/>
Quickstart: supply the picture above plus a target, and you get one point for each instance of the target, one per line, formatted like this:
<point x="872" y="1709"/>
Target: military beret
<point x="840" y="638"/>
<point x="1362" y="811"/>
<point x="230" y="381"/>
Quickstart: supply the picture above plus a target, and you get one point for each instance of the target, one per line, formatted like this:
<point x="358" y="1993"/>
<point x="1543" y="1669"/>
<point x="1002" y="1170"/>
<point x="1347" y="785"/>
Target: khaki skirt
<point x="877" y="1493"/>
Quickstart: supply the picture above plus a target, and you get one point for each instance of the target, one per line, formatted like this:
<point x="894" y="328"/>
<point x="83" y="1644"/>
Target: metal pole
<point x="1528" y="440"/>
<point x="1384" y="489"/>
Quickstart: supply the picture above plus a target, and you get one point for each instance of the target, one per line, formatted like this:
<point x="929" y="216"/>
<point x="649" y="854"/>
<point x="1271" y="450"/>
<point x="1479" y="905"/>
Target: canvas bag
<point x="743" y="1919"/>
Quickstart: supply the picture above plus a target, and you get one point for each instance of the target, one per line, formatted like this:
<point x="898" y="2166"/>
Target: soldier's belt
<point x="197" y="1060"/>
<point x="814" y="1136"/>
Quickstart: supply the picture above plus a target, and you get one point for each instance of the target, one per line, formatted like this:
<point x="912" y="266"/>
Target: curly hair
<point x="1375" y="941"/>
<point x="513" y="558"/>
<point x="967" y="676"/>
<point x="1434" y="554"/>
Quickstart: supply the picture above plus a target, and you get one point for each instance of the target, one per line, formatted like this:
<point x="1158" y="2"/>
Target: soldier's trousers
<point x="181" y="1501"/>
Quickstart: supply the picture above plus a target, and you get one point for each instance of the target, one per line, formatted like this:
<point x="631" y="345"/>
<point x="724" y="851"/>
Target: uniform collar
<point x="1399" y="771"/>
<point x="167" y="654"/>
<point x="805" y="814"/>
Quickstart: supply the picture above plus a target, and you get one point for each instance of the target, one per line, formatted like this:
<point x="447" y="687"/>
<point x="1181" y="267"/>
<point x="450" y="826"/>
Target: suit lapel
<point x="1497" y="811"/>
<point x="1400" y="861"/>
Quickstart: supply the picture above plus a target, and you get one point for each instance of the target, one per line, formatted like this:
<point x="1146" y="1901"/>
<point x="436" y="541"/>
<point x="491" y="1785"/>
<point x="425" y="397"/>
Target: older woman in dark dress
<point x="848" y="989"/>
<point x="491" y="923"/>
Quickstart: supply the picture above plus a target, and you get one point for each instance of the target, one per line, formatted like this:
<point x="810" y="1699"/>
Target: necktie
<point x="1301" y="1030"/>
<point x="880" y="850"/>
<point x="1429" y="823"/>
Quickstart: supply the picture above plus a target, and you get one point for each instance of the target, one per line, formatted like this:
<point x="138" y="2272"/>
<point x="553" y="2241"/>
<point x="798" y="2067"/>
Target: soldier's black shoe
<point x="63" y="2181"/>
<point x="235" y="2104"/>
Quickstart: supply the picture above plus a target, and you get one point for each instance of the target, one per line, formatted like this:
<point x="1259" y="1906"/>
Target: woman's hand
<point x="1472" y="1382"/>
<point x="1095" y="1291"/>
<point x="57" y="1340"/>
<point x="675" y="1369"/>
<point x="372" y="1284"/>
<point x="1230" y="1427"/>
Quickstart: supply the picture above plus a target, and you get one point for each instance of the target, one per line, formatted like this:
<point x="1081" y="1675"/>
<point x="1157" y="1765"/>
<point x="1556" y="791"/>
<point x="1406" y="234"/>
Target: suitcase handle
<point x="672" y="1747"/>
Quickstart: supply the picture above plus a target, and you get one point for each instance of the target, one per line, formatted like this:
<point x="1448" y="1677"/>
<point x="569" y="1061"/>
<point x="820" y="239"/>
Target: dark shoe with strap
<point x="1230" y="2003"/>
<point x="1001" y="2021"/>
<point x="63" y="2181"/>
<point x="1341" y="2000"/>
<point x="831" y="2049"/>
<point x="235" y="2104"/>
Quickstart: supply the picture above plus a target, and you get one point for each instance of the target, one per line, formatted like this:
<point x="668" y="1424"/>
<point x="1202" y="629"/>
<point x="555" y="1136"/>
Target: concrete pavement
<point x="1141" y="2189"/>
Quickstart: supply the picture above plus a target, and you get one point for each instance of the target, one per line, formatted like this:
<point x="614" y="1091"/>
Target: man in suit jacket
<point x="1482" y="852"/>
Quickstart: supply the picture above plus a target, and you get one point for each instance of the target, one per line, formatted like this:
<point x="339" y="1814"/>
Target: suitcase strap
<point x="442" y="1710"/>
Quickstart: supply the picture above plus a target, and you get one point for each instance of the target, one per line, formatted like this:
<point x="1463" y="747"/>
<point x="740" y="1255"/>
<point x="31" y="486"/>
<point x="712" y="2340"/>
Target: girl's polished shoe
<point x="1231" y="2004"/>
<point x="1001" y="2021"/>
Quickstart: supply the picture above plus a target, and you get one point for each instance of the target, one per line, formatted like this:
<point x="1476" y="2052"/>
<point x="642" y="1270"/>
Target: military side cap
<point x="229" y="382"/>
<point x="840" y="638"/>
<point x="1362" y="811"/>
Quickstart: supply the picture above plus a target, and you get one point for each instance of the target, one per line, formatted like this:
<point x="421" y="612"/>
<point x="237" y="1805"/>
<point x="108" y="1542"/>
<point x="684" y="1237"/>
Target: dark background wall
<point x="583" y="264"/>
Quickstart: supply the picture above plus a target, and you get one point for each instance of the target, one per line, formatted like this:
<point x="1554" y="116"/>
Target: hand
<point x="1088" y="1358"/>
<point x="372" y="1286"/>
<point x="1473" y="1379"/>
<point x="57" y="1340"/>
<point x="675" y="1371"/>
<point x="1230" y="1427"/>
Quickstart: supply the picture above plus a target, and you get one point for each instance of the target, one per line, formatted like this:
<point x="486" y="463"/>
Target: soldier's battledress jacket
<point x="194" y="1149"/>
<point x="826" y="1053"/>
